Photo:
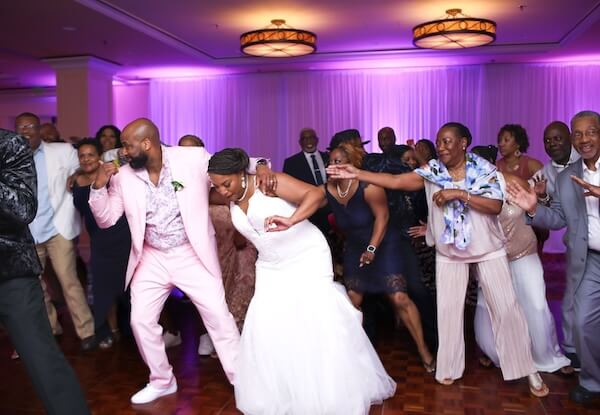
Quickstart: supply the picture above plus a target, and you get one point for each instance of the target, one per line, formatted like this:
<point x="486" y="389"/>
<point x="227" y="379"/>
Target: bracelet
<point x="468" y="199"/>
<point x="371" y="248"/>
<point x="544" y="199"/>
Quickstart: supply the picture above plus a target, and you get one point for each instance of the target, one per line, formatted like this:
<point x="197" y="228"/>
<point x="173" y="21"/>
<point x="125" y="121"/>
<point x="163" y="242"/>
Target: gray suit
<point x="568" y="209"/>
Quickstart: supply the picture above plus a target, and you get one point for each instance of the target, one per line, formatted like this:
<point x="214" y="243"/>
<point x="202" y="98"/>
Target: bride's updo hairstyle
<point x="228" y="161"/>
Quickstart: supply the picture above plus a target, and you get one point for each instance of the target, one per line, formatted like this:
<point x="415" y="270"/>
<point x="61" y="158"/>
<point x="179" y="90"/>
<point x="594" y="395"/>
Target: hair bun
<point x="228" y="161"/>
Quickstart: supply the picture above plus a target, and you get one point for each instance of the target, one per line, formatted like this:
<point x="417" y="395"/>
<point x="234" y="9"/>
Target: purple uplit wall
<point x="130" y="102"/>
<point x="263" y="113"/>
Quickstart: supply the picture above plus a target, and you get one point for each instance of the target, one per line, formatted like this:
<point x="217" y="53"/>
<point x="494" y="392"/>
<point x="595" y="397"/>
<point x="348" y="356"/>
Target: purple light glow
<point x="159" y="72"/>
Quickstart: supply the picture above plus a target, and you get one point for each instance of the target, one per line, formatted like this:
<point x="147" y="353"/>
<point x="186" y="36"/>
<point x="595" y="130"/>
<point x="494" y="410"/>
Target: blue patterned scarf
<point x="480" y="180"/>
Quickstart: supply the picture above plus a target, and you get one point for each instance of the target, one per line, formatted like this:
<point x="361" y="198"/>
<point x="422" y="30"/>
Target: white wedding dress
<point x="303" y="349"/>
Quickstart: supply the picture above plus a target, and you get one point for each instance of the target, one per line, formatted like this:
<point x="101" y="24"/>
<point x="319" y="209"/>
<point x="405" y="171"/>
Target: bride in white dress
<point x="303" y="349"/>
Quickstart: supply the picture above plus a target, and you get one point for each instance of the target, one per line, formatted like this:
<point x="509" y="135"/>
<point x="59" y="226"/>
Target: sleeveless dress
<point x="386" y="273"/>
<point x="303" y="350"/>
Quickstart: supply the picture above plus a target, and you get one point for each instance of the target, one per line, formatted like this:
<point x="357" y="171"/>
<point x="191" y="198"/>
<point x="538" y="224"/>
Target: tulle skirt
<point x="304" y="351"/>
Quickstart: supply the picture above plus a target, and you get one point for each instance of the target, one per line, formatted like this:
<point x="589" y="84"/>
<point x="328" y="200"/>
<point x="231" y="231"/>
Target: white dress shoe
<point x="205" y="348"/>
<point x="171" y="340"/>
<point x="150" y="393"/>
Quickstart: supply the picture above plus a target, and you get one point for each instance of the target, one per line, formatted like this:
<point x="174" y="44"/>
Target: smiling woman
<point x="463" y="194"/>
<point x="109" y="250"/>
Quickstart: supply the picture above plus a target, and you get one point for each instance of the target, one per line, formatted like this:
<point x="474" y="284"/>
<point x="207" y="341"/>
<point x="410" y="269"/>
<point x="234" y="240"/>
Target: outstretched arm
<point x="405" y="181"/>
<point x="589" y="189"/>
<point x="307" y="197"/>
<point x="551" y="217"/>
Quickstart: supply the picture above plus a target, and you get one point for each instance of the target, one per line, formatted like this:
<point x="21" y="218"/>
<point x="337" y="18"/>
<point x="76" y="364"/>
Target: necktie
<point x="318" y="177"/>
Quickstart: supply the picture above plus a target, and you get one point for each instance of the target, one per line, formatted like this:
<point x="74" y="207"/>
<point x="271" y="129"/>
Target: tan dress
<point x="237" y="263"/>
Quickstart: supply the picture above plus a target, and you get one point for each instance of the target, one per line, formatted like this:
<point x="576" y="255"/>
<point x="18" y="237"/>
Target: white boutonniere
<point x="177" y="186"/>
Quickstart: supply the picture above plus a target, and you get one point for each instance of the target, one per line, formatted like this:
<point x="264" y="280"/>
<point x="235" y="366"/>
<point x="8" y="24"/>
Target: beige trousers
<point x="510" y="330"/>
<point x="62" y="254"/>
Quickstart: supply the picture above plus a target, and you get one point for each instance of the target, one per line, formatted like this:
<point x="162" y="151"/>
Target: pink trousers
<point x="511" y="334"/>
<point x="157" y="273"/>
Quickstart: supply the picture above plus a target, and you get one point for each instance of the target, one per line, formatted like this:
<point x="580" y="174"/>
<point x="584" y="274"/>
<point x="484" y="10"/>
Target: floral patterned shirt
<point x="164" y="226"/>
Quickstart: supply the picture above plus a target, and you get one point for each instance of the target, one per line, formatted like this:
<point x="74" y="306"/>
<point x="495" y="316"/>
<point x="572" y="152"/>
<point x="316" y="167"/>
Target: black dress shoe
<point x="575" y="363"/>
<point x="89" y="343"/>
<point x="580" y="394"/>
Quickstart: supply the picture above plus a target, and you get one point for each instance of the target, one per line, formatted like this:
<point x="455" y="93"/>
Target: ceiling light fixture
<point x="455" y="31"/>
<point x="278" y="40"/>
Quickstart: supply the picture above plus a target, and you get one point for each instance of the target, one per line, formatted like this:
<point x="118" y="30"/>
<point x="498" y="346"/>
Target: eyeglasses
<point x="591" y="133"/>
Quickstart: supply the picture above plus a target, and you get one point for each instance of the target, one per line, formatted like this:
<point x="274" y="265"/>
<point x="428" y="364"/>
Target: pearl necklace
<point x="341" y="193"/>
<point x="245" y="191"/>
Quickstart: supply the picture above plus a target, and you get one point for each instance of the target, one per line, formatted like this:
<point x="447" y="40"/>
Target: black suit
<point x="297" y="166"/>
<point x="22" y="309"/>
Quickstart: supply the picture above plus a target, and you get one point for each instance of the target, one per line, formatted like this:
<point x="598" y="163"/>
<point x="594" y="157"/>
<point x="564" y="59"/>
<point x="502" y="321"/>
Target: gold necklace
<point x="343" y="194"/>
<point x="456" y="174"/>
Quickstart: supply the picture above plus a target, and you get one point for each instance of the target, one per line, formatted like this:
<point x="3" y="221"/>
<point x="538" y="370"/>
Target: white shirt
<point x="320" y="163"/>
<point x="552" y="168"/>
<point x="592" y="205"/>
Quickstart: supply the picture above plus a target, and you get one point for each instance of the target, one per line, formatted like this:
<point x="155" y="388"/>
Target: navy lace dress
<point x="109" y="255"/>
<point x="386" y="273"/>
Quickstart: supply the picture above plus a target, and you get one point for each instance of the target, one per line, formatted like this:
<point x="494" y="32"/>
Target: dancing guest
<point x="577" y="209"/>
<point x="557" y="143"/>
<point x="109" y="249"/>
<point x="386" y="138"/>
<point x="303" y="350"/>
<point x="49" y="133"/>
<point x="464" y="199"/>
<point x="513" y="143"/>
<point x="57" y="224"/>
<point x="425" y="151"/>
<point x="22" y="310"/>
<point x="109" y="138"/>
<point x="528" y="281"/>
<point x="375" y="261"/>
<point x="413" y="215"/>
<point x="164" y="193"/>
<point x="190" y="140"/>
<point x="236" y="257"/>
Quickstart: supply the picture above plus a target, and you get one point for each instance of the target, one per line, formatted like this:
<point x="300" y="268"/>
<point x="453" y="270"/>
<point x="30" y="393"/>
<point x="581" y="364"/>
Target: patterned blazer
<point x="18" y="205"/>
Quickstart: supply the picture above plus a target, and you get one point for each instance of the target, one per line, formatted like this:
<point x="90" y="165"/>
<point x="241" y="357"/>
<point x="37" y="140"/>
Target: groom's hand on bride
<point x="277" y="223"/>
<point x="266" y="180"/>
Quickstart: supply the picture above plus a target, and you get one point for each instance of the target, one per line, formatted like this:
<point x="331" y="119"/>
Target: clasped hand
<point x="442" y="197"/>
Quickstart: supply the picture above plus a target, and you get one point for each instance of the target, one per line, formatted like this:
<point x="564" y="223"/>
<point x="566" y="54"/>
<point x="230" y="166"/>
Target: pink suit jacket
<point x="127" y="194"/>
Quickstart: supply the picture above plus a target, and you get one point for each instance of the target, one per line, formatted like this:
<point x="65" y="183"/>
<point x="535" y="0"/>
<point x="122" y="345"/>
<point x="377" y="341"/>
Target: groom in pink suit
<point x="164" y="193"/>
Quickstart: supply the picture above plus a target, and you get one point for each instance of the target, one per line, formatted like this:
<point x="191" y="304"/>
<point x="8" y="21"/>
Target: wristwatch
<point x="371" y="248"/>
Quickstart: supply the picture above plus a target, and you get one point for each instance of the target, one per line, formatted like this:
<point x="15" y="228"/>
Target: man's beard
<point x="139" y="162"/>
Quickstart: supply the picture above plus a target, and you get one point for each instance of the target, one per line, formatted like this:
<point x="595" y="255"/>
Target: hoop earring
<point x="518" y="153"/>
